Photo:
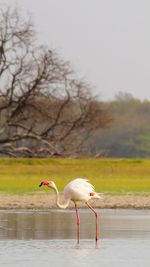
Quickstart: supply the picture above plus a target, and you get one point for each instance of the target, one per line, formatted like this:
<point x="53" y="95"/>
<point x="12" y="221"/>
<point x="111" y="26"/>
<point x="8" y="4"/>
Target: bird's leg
<point x="96" y="215"/>
<point x="78" y="224"/>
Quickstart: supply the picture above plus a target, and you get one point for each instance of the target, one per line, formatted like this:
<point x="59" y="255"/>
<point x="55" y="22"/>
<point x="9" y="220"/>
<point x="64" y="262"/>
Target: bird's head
<point x="50" y="184"/>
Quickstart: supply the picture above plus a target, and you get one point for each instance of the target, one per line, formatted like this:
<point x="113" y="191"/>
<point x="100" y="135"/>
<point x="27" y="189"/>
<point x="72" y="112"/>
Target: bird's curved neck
<point x="62" y="206"/>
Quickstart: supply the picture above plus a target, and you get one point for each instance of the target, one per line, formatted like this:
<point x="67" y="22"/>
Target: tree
<point x="44" y="109"/>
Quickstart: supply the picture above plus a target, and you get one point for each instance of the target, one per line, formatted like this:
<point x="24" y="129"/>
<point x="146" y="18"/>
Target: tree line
<point x="128" y="135"/>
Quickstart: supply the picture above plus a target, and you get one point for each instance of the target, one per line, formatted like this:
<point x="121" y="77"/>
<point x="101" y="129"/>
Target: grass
<point x="113" y="176"/>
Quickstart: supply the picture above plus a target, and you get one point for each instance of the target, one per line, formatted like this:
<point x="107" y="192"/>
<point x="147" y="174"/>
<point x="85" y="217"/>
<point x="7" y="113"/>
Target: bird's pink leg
<point x="78" y="224"/>
<point x="96" y="215"/>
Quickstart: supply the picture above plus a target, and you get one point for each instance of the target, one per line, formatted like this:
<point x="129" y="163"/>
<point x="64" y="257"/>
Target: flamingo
<point x="77" y="190"/>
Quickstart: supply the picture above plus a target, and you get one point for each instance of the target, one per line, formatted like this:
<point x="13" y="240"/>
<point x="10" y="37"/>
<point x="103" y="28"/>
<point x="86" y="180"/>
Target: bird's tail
<point x="97" y="195"/>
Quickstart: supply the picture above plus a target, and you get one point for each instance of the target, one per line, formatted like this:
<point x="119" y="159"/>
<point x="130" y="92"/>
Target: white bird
<point x="77" y="190"/>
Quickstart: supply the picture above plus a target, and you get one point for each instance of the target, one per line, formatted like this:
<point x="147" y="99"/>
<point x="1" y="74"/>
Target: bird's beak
<point x="41" y="184"/>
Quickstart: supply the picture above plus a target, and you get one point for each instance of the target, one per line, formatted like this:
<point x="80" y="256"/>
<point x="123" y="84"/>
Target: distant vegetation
<point x="129" y="132"/>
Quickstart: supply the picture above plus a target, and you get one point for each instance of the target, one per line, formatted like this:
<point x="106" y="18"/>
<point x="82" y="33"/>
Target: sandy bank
<point x="38" y="201"/>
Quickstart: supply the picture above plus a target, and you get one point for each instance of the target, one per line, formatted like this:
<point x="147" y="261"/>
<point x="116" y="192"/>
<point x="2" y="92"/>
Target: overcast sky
<point x="107" y="41"/>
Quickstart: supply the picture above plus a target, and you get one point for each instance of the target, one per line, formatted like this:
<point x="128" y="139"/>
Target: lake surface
<point x="48" y="238"/>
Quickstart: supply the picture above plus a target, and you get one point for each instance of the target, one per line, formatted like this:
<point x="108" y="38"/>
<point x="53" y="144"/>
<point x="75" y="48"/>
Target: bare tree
<point x="44" y="110"/>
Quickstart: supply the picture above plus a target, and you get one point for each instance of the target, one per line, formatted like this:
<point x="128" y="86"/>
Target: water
<point x="35" y="238"/>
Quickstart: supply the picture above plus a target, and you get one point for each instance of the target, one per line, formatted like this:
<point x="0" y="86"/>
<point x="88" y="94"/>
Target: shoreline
<point x="40" y="201"/>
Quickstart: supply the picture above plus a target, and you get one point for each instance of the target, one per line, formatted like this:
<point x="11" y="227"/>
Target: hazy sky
<point x="107" y="41"/>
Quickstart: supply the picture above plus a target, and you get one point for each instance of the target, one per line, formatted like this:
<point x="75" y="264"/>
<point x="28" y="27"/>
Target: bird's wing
<point x="82" y="183"/>
<point x="79" y="189"/>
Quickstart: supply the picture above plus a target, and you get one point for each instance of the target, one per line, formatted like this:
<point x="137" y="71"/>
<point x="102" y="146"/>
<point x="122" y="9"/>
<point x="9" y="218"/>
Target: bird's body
<point x="77" y="190"/>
